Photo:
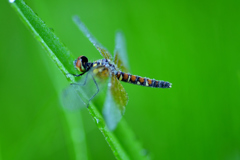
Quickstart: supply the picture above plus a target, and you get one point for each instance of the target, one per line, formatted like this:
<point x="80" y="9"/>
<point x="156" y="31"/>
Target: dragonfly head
<point x="81" y="63"/>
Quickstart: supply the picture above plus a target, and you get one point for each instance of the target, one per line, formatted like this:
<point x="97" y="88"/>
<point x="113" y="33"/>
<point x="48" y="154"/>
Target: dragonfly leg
<point x="83" y="84"/>
<point x="95" y="93"/>
<point x="77" y="75"/>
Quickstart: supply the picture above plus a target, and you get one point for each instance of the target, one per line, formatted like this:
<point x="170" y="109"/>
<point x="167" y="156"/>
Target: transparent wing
<point x="73" y="99"/>
<point x="120" y="53"/>
<point x="112" y="114"/>
<point x="103" y="51"/>
<point x="116" y="97"/>
<point x="115" y="103"/>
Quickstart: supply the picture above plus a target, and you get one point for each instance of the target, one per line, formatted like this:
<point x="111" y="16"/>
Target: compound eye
<point x="80" y="63"/>
<point x="83" y="59"/>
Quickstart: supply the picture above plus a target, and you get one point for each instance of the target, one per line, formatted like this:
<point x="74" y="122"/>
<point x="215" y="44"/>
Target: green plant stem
<point x="63" y="59"/>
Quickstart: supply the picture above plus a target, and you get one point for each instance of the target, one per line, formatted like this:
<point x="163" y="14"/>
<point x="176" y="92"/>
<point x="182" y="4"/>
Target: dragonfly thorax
<point x="106" y="64"/>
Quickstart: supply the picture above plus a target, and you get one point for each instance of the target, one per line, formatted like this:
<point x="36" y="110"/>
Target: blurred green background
<point x="192" y="44"/>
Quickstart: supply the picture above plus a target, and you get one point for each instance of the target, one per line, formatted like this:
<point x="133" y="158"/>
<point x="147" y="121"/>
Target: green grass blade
<point x="63" y="59"/>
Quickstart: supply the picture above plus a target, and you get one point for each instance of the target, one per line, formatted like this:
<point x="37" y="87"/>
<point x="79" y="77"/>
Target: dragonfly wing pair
<point x="116" y="98"/>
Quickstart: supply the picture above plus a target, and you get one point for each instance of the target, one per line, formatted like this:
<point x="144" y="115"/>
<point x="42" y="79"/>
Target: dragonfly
<point x="114" y="69"/>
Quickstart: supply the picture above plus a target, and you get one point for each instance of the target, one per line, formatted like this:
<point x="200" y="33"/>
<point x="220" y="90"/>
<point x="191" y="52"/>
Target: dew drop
<point x="100" y="122"/>
<point x="97" y="120"/>
<point x="11" y="1"/>
<point x="68" y="75"/>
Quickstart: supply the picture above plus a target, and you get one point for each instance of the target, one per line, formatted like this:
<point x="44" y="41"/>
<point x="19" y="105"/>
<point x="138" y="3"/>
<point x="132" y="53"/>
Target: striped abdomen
<point x="125" y="77"/>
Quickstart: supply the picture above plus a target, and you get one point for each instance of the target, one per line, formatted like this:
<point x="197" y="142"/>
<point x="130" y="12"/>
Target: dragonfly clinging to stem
<point x="116" y="69"/>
